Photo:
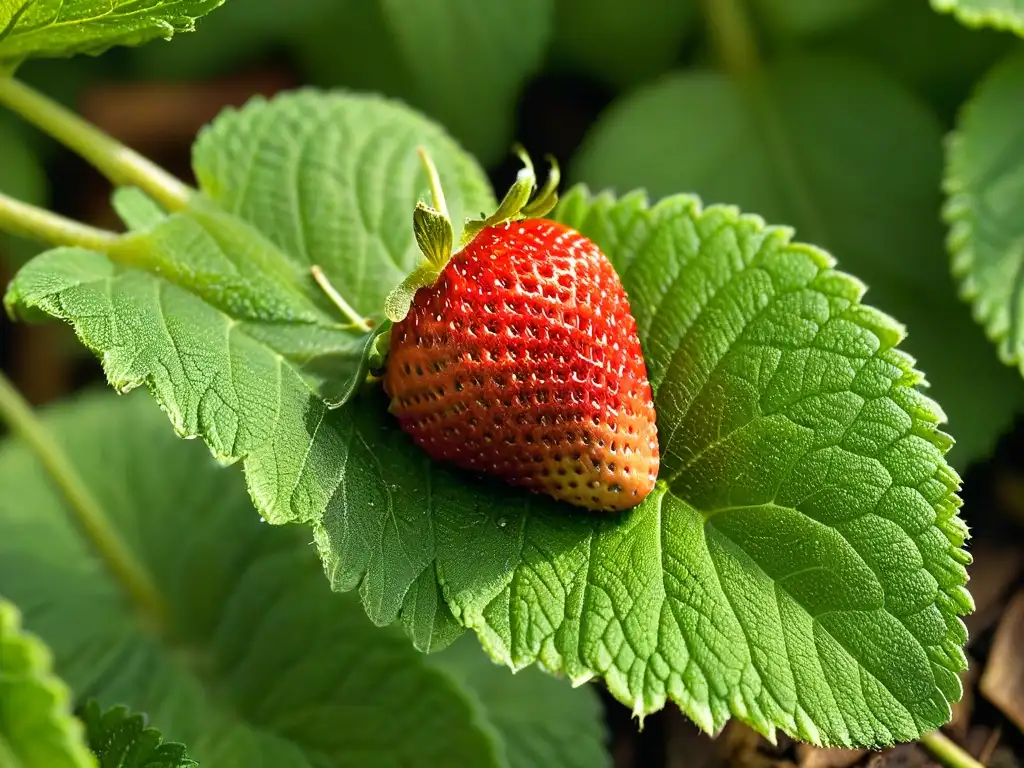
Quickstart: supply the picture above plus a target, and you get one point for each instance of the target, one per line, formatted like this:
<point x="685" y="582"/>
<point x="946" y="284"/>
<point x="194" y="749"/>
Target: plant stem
<point x="84" y="508"/>
<point x="732" y="35"/>
<point x="436" y="191"/>
<point x="117" y="162"/>
<point x="20" y="218"/>
<point x="339" y="301"/>
<point x="947" y="751"/>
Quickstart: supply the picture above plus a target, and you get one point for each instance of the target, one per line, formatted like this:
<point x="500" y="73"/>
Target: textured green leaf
<point x="36" y="724"/>
<point x="799" y="564"/>
<point x="543" y="720"/>
<point x="797" y="453"/>
<point x="810" y="17"/>
<point x="242" y="356"/>
<point x="784" y="146"/>
<point x="1000" y="14"/>
<point x="258" y="662"/>
<point x="621" y="43"/>
<point x="985" y="187"/>
<point x="66" y="27"/>
<point x="461" y="61"/>
<point x="123" y="740"/>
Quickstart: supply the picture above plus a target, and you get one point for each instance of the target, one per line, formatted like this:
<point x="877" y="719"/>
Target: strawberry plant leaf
<point x="136" y="209"/>
<point x="246" y="356"/>
<point x="30" y="28"/>
<point x="237" y="34"/>
<point x="621" y="44"/>
<point x="257" y="659"/>
<point x="463" y="62"/>
<point x="985" y="187"/>
<point x="796" y="447"/>
<point x="796" y="452"/>
<point x="1000" y="14"/>
<point x="36" y="724"/>
<point x="542" y="719"/>
<point x="777" y="148"/>
<point x="121" y="739"/>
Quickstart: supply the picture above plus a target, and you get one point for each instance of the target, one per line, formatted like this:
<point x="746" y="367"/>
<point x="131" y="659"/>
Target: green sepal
<point x="434" y="235"/>
<point x="379" y="347"/>
<point x="397" y="304"/>
<point x="374" y="355"/>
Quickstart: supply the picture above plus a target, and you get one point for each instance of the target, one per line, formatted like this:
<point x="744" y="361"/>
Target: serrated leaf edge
<point x="1006" y="21"/>
<point x="956" y="212"/>
<point x="926" y="415"/>
<point x="42" y="668"/>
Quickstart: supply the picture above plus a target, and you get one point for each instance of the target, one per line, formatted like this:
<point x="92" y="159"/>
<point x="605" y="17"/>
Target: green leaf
<point x="810" y="17"/>
<point x="31" y="28"/>
<point x="799" y="564"/>
<point x="985" y="187"/>
<point x="330" y="180"/>
<point x="931" y="53"/>
<point x="621" y="43"/>
<point x="36" y="724"/>
<point x="461" y="61"/>
<point x="797" y="450"/>
<point x="783" y="146"/>
<point x="137" y="210"/>
<point x="542" y="719"/>
<point x="123" y="740"/>
<point x="1000" y="14"/>
<point x="235" y="36"/>
<point x="257" y="661"/>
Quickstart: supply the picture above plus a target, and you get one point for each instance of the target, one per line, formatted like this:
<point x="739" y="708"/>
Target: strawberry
<point x="518" y="356"/>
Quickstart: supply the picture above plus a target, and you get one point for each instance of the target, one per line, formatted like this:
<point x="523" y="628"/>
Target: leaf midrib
<point x="709" y="517"/>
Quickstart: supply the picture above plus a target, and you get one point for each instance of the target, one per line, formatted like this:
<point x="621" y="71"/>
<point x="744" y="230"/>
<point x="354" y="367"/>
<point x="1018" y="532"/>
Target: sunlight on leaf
<point x="66" y="27"/>
<point x="785" y="148"/>
<point x="985" y="187"/>
<point x="36" y="724"/>
<point x="805" y="517"/>
<point x="261" y="663"/>
<point x="1000" y="14"/>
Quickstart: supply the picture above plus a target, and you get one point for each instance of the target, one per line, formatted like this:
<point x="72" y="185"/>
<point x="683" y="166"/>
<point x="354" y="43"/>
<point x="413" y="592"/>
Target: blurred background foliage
<point x="829" y="117"/>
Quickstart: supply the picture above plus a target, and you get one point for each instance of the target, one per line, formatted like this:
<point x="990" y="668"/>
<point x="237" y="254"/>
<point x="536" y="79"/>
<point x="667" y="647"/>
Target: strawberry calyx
<point x="432" y="225"/>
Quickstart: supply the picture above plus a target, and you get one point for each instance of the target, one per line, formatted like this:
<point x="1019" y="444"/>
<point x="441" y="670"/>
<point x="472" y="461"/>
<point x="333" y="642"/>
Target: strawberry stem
<point x="350" y="314"/>
<point x="436" y="191"/>
<point x="434" y="234"/>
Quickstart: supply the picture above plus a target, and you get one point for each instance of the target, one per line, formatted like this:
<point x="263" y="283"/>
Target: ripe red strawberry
<point x="522" y="361"/>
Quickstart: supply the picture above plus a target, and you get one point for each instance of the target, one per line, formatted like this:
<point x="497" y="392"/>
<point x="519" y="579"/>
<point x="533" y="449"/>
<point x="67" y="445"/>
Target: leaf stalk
<point x="948" y="752"/>
<point x="123" y="166"/>
<point x="732" y="36"/>
<point x="26" y="220"/>
<point x="357" y="320"/>
<point x="83" y="506"/>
